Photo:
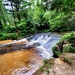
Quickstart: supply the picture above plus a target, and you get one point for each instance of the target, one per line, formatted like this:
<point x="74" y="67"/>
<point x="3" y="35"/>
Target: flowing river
<point x="25" y="56"/>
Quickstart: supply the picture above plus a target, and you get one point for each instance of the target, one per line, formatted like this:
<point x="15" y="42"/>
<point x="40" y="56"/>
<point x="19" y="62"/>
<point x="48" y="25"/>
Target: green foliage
<point x="69" y="42"/>
<point x="59" y="21"/>
<point x="41" y="69"/>
<point x="29" y="17"/>
<point x="68" y="37"/>
<point x="47" y="65"/>
<point x="5" y="35"/>
<point x="35" y="19"/>
<point x="45" y="61"/>
<point x="68" y="48"/>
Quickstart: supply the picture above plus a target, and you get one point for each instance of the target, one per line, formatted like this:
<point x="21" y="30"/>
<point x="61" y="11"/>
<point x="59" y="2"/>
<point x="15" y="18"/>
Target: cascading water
<point x="43" y="43"/>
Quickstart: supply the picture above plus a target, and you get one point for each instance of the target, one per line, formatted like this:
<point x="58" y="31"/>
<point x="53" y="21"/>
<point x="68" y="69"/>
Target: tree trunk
<point x="13" y="12"/>
<point x="17" y="6"/>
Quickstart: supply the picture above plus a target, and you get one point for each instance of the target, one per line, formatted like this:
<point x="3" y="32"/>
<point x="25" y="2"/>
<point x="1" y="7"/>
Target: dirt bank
<point x="64" y="65"/>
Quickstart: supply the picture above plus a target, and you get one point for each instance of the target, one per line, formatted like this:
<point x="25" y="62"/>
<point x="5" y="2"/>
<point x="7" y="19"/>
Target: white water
<point x="43" y="43"/>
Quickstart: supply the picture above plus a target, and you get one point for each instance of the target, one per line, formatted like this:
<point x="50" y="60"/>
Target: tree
<point x="2" y="15"/>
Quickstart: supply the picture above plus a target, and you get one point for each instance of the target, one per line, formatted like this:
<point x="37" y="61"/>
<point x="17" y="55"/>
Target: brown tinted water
<point x="21" y="62"/>
<point x="5" y="41"/>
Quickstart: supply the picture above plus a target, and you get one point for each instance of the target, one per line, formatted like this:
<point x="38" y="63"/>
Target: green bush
<point x="68" y="48"/>
<point x="4" y="35"/>
<point x="68" y="37"/>
<point x="69" y="42"/>
<point x="13" y="36"/>
<point x="66" y="44"/>
<point x="10" y="29"/>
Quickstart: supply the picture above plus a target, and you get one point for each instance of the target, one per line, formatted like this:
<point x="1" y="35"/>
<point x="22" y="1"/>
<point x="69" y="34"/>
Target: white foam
<point x="46" y="42"/>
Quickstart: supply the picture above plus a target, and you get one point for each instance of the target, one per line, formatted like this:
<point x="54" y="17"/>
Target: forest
<point x="20" y="18"/>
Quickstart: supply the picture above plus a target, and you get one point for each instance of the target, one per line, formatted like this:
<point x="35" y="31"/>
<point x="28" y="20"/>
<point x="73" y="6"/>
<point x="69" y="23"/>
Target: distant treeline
<point x="19" y="18"/>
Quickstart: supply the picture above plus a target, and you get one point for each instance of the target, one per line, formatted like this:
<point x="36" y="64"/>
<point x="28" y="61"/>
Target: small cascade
<point x="43" y="43"/>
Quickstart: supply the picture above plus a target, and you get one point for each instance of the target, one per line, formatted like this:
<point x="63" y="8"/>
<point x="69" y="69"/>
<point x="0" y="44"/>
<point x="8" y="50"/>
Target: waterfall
<point x="43" y="43"/>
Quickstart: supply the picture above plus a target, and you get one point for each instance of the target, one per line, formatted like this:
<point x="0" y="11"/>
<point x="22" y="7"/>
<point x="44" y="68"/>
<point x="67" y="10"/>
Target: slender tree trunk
<point x="17" y="9"/>
<point x="2" y="15"/>
<point x="13" y="12"/>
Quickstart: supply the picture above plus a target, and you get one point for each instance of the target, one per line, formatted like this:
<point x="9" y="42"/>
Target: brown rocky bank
<point x="64" y="65"/>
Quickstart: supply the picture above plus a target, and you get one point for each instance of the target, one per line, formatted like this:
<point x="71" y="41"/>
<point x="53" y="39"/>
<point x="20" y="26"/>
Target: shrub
<point x="69" y="42"/>
<point x="69" y="38"/>
<point x="68" y="48"/>
<point x="66" y="44"/>
<point x="10" y="29"/>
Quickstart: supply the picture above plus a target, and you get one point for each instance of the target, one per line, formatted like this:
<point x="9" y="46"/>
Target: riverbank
<point x="64" y="65"/>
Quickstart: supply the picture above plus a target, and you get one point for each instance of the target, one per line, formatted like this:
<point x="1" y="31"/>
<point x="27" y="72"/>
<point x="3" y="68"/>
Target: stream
<point x="25" y="56"/>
